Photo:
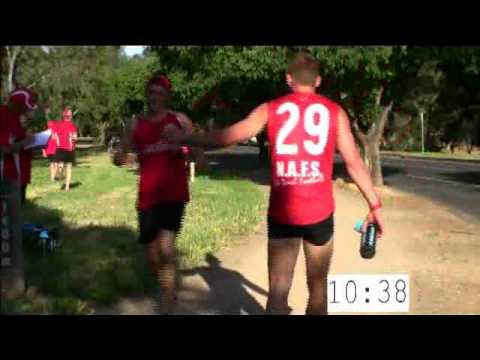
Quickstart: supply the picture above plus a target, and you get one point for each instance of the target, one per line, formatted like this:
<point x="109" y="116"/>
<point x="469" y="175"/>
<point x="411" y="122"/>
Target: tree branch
<point x="377" y="128"/>
<point x="16" y="51"/>
<point x="378" y="101"/>
<point x="12" y="56"/>
<point x="382" y="121"/>
<point x="372" y="131"/>
<point x="358" y="132"/>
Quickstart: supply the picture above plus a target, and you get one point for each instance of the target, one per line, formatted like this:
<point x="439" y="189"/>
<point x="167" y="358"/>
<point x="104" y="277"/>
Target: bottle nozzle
<point x="358" y="226"/>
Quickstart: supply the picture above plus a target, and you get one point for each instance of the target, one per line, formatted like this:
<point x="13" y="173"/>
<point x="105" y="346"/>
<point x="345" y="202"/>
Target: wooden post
<point x="11" y="245"/>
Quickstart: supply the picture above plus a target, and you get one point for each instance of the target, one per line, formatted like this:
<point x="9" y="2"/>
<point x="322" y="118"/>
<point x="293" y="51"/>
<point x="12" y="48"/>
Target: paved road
<point x="455" y="184"/>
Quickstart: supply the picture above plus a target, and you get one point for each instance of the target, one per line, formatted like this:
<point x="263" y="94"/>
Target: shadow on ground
<point x="102" y="266"/>
<point x="340" y="172"/>
<point x="469" y="177"/>
<point x="72" y="185"/>
<point x="227" y="291"/>
<point x="95" y="265"/>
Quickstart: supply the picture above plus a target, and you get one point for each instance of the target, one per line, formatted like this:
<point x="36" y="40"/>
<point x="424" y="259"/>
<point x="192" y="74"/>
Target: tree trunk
<point x="370" y="144"/>
<point x="362" y="140"/>
<point x="12" y="53"/>
<point x="374" y="163"/>
<point x="370" y="151"/>
<point x="10" y="78"/>
<point x="469" y="145"/>
<point x="451" y="147"/>
<point x="102" y="128"/>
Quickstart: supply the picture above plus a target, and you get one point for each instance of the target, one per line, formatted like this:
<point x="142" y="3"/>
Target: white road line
<point x="443" y="181"/>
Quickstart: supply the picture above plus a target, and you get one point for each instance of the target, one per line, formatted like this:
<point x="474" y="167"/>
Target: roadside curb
<point x="384" y="155"/>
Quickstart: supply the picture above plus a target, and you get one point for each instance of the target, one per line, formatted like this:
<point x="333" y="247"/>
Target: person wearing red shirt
<point x="50" y="151"/>
<point x="15" y="163"/>
<point x="304" y="130"/>
<point x="163" y="191"/>
<point x="66" y="136"/>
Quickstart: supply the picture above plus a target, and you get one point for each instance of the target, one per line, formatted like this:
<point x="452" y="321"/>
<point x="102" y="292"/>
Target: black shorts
<point x="52" y="158"/>
<point x="65" y="156"/>
<point x="317" y="234"/>
<point x="163" y="216"/>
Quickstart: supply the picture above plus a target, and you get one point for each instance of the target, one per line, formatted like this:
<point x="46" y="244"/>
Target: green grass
<point x="100" y="260"/>
<point x="439" y="155"/>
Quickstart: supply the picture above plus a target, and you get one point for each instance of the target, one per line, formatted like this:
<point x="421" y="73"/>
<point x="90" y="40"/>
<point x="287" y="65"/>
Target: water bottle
<point x="368" y="239"/>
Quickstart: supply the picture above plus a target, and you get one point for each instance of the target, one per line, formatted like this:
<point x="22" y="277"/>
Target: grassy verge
<point x="100" y="260"/>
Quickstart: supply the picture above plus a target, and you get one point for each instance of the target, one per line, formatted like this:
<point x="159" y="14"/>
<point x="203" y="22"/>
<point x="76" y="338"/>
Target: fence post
<point x="11" y="246"/>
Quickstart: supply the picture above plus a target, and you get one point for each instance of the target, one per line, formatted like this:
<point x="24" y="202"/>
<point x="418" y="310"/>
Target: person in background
<point x="50" y="151"/>
<point x="66" y="137"/>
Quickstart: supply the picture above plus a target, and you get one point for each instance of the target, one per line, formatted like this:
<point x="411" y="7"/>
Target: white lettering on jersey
<point x="319" y="129"/>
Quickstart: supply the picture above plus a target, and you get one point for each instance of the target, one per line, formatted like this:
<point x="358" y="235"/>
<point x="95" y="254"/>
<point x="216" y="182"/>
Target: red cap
<point x="163" y="81"/>
<point x="25" y="97"/>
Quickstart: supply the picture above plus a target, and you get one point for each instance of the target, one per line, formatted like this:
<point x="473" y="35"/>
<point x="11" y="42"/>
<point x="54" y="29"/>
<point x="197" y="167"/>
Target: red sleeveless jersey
<point x="64" y="130"/>
<point x="52" y="144"/>
<point x="163" y="174"/>
<point x="302" y="132"/>
<point x="14" y="166"/>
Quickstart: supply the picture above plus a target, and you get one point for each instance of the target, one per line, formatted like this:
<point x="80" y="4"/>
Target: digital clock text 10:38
<point x="368" y="293"/>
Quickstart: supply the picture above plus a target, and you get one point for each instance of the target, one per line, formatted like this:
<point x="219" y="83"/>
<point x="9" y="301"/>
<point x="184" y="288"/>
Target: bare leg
<point x="318" y="263"/>
<point x="60" y="169"/>
<point x="53" y="171"/>
<point x="69" y="176"/>
<point x="282" y="257"/>
<point x="161" y="258"/>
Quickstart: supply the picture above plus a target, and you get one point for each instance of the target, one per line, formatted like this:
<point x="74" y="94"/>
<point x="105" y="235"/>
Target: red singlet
<point x="163" y="174"/>
<point x="302" y="131"/>
<point x="65" y="129"/>
<point x="12" y="131"/>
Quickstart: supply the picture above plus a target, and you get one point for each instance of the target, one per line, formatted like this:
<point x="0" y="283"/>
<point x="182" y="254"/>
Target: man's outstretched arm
<point x="238" y="132"/>
<point x="197" y="154"/>
<point x="356" y="168"/>
<point x="18" y="146"/>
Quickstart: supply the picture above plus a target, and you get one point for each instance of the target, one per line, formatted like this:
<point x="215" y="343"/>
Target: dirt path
<point x="438" y="249"/>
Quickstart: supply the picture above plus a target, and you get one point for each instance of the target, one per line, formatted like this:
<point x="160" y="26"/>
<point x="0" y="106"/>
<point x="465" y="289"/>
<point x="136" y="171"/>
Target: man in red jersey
<point x="304" y="129"/>
<point x="163" y="191"/>
<point x="15" y="162"/>
<point x="50" y="151"/>
<point x="66" y="136"/>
